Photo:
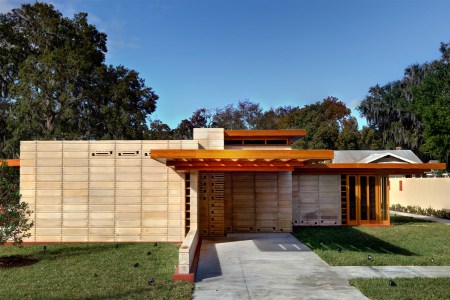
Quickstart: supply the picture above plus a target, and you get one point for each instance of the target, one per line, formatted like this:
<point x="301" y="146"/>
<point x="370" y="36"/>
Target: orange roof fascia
<point x="12" y="162"/>
<point x="242" y="154"/>
<point x="263" y="134"/>
<point x="236" y="169"/>
<point x="361" y="168"/>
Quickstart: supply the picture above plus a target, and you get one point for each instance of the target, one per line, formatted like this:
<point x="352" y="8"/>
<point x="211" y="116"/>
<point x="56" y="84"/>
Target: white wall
<point x="423" y="192"/>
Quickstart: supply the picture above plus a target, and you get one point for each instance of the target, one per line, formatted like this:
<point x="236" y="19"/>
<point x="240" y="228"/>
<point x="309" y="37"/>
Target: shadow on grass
<point x="346" y="238"/>
<point x="60" y="251"/>
<point x="402" y="220"/>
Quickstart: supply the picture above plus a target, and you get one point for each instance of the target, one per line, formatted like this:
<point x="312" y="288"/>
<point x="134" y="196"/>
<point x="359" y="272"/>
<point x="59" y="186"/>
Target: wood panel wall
<point x="96" y="191"/>
<point x="258" y="202"/>
<point x="316" y="200"/>
<point x="211" y="204"/>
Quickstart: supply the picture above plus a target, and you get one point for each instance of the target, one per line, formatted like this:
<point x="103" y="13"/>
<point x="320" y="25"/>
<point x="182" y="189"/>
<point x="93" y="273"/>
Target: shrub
<point x="442" y="214"/>
<point x="13" y="213"/>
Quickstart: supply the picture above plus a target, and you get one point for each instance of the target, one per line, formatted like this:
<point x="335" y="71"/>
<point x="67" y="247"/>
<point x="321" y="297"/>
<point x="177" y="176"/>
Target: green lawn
<point x="407" y="242"/>
<point x="94" y="271"/>
<point x="406" y="288"/>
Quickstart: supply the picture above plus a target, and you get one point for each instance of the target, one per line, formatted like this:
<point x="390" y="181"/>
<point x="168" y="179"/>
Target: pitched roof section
<point x="368" y="156"/>
<point x="239" y="160"/>
<point x="386" y="158"/>
<point x="371" y="162"/>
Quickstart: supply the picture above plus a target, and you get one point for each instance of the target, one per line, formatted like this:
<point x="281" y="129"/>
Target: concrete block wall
<point x="209" y="138"/>
<point x="316" y="200"/>
<point x="102" y="191"/>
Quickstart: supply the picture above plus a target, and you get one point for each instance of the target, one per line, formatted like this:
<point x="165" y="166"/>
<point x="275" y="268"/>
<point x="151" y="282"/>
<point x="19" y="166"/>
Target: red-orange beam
<point x="229" y="163"/>
<point x="12" y="162"/>
<point x="242" y="154"/>
<point x="236" y="169"/>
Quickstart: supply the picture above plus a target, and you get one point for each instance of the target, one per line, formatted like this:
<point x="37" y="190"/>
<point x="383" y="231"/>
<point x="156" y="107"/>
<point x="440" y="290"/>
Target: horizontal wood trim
<point x="237" y="163"/>
<point x="12" y="162"/>
<point x="242" y="154"/>
<point x="363" y="169"/>
<point x="263" y="134"/>
<point x="236" y="169"/>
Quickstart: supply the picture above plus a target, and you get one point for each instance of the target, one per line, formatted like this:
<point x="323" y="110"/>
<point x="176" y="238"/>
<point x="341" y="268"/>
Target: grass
<point x="407" y="242"/>
<point x="94" y="271"/>
<point x="406" y="288"/>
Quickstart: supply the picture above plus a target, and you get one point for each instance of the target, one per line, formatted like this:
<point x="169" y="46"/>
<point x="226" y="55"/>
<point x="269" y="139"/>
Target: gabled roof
<point x="377" y="158"/>
<point x="369" y="156"/>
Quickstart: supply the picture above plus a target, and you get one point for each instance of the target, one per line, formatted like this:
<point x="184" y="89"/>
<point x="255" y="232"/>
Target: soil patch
<point x="16" y="261"/>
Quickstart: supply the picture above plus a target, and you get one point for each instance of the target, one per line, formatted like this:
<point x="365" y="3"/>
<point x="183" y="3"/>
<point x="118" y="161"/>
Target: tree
<point x="370" y="139"/>
<point x="276" y="118"/>
<point x="158" y="131"/>
<point x="432" y="104"/>
<point x="14" y="223"/>
<point x="349" y="136"/>
<point x="57" y="86"/>
<point x="388" y="111"/>
<point x="246" y="115"/>
<point x="322" y="121"/>
<point x="119" y="107"/>
<point x="201" y="118"/>
<point x="413" y="112"/>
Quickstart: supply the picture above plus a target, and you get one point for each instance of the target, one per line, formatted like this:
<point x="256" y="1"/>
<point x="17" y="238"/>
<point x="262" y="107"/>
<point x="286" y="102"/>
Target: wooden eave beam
<point x="12" y="162"/>
<point x="236" y="169"/>
<point x="242" y="154"/>
<point x="230" y="163"/>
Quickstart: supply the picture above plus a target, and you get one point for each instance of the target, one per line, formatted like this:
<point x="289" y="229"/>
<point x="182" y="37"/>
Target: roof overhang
<point x="369" y="168"/>
<point x="239" y="160"/>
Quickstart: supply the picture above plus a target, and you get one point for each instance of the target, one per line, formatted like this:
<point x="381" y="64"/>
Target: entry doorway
<point x="365" y="199"/>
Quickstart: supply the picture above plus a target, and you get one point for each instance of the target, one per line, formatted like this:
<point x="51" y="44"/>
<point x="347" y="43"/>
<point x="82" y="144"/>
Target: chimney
<point x="398" y="148"/>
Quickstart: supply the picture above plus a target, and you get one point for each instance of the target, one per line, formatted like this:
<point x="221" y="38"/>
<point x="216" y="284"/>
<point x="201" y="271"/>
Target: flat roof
<point x="239" y="160"/>
<point x="263" y="134"/>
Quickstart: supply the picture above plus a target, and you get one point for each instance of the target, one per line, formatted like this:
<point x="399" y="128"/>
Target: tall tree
<point x="246" y="115"/>
<point x="56" y="84"/>
<point x="158" y="131"/>
<point x="349" y="135"/>
<point x="432" y="104"/>
<point x="322" y="121"/>
<point x="413" y="112"/>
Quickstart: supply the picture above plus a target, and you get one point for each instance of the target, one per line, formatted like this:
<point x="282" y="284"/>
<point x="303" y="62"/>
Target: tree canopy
<point x="54" y="83"/>
<point x="414" y="111"/>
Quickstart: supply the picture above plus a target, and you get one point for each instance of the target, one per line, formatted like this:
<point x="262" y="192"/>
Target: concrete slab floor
<point x="266" y="266"/>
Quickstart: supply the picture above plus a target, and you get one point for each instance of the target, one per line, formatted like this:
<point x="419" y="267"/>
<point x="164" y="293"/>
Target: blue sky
<point x="198" y="54"/>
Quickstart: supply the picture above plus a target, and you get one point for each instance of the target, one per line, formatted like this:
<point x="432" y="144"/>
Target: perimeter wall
<point x="423" y="192"/>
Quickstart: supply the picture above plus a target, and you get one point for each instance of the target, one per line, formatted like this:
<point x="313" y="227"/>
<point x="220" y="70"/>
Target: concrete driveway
<point x="266" y="266"/>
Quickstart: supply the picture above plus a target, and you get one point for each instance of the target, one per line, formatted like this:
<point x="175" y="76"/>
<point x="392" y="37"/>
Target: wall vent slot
<point x="128" y="153"/>
<point x="102" y="153"/>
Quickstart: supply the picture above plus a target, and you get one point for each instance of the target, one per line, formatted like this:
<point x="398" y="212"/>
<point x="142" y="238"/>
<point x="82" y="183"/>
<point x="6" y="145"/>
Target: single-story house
<point x="221" y="181"/>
